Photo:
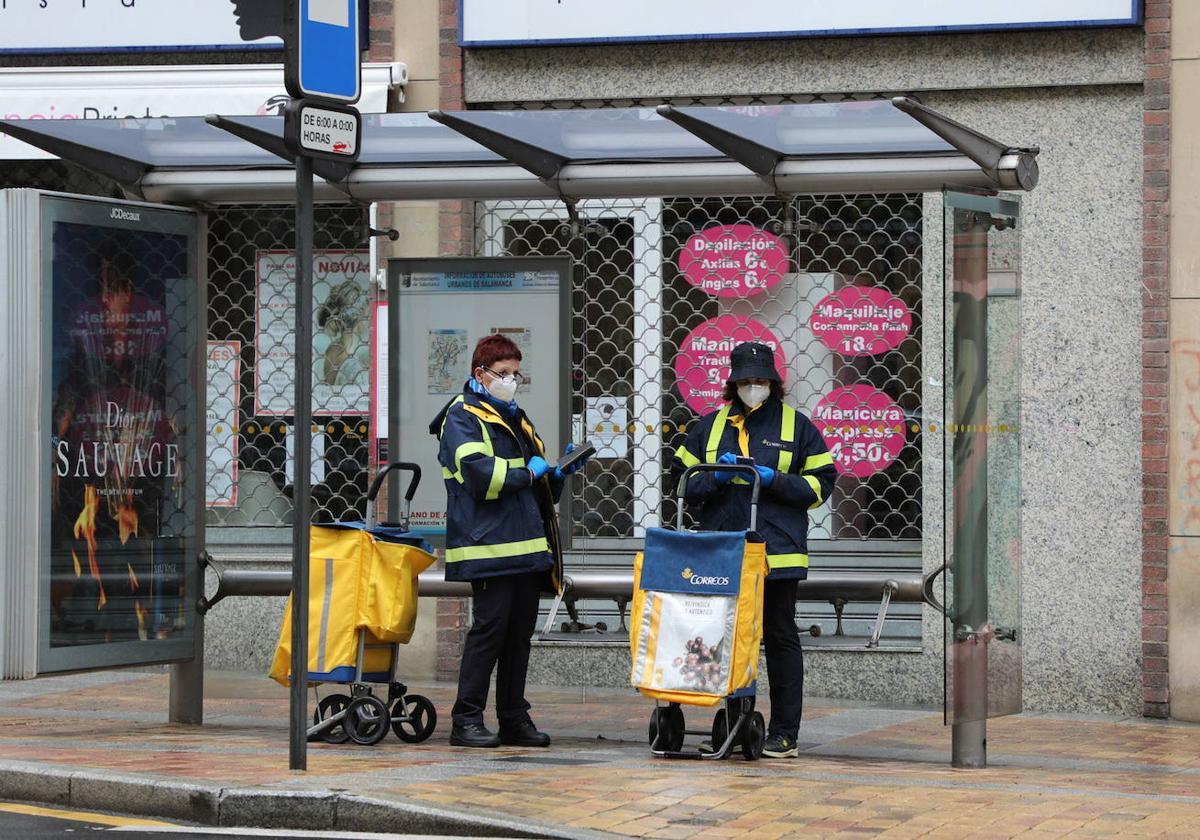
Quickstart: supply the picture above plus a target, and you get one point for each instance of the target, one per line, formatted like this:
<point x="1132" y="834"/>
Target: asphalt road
<point x="19" y="821"/>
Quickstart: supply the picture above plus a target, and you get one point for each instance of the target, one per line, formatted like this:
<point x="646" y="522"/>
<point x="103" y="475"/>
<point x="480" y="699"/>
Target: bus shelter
<point x="784" y="151"/>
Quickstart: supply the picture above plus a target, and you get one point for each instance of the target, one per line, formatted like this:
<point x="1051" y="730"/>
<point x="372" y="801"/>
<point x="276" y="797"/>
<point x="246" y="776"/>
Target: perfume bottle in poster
<point x="120" y="395"/>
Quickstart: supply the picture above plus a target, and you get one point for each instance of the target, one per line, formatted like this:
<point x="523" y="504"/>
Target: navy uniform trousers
<point x="785" y="657"/>
<point x="505" y="613"/>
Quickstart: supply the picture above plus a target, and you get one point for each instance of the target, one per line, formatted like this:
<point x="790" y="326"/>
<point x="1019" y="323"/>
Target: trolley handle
<point x="751" y="472"/>
<point x="408" y="466"/>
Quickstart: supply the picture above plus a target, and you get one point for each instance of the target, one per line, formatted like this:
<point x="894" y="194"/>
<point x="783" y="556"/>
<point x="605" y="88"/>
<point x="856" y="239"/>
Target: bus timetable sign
<point x="323" y="130"/>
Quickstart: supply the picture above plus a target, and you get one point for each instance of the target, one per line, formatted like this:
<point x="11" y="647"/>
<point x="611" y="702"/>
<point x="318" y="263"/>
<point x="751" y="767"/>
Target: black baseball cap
<point x="752" y="360"/>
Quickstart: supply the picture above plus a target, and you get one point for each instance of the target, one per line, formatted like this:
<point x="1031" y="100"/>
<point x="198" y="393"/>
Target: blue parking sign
<point x="323" y="58"/>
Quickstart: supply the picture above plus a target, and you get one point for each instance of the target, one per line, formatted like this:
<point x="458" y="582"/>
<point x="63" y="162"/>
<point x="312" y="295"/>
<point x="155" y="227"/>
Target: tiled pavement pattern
<point x="864" y="771"/>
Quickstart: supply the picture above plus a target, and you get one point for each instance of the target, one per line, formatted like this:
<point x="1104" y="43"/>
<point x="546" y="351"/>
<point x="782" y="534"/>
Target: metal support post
<point x="301" y="462"/>
<point x="968" y="645"/>
<point x="186" y="703"/>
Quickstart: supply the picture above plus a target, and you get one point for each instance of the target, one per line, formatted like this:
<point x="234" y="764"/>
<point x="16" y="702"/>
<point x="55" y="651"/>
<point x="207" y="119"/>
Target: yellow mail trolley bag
<point x="696" y="629"/>
<point x="362" y="604"/>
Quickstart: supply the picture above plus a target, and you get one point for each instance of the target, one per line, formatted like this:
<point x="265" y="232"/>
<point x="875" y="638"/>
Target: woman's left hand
<point x="765" y="474"/>
<point x="571" y="468"/>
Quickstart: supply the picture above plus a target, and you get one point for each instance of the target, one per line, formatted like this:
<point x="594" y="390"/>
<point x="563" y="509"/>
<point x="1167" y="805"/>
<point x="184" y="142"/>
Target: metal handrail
<point x="835" y="587"/>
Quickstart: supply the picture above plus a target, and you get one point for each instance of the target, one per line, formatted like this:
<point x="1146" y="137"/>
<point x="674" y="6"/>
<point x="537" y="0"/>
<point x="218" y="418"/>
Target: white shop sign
<point x="71" y="93"/>
<point x="42" y="26"/>
<point x="511" y="22"/>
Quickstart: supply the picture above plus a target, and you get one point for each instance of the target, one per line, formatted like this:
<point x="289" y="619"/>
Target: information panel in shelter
<point x="443" y="307"/>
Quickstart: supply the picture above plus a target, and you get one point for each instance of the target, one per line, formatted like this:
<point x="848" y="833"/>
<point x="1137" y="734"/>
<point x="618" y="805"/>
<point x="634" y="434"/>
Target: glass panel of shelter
<point x="982" y="586"/>
<point x="634" y="307"/>
<point x="251" y="379"/>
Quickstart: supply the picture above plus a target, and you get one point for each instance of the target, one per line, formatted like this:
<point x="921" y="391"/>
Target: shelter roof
<point x="853" y="146"/>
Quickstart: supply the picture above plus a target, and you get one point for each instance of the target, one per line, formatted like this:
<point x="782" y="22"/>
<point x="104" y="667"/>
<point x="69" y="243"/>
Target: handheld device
<point x="584" y="450"/>
<point x="744" y="460"/>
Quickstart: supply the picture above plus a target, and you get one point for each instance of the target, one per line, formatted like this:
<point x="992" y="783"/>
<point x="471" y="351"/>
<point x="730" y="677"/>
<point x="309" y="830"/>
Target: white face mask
<point x="752" y="396"/>
<point x="503" y="388"/>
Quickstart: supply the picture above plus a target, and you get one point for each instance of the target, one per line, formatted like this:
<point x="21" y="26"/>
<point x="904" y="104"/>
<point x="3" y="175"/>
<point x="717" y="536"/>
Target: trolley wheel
<point x="329" y="706"/>
<point x="674" y="727"/>
<point x="413" y="718"/>
<point x="655" y="725"/>
<point x="720" y="729"/>
<point x="666" y="728"/>
<point x="756" y="736"/>
<point x="367" y="720"/>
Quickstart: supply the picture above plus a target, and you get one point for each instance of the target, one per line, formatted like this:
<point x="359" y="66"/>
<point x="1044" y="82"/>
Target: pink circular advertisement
<point x="861" y="321"/>
<point x="733" y="261"/>
<point x="863" y="428"/>
<point x="702" y="364"/>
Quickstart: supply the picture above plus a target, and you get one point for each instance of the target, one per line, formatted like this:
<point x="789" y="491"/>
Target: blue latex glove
<point x="721" y="476"/>
<point x="538" y="466"/>
<point x="573" y="468"/>
<point x="765" y="474"/>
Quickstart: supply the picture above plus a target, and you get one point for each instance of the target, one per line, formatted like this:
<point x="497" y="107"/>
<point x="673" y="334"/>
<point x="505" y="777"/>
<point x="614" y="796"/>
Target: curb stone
<point x="51" y="785"/>
<point x="139" y="795"/>
<point x="216" y="805"/>
<point x="268" y="808"/>
<point x="361" y="813"/>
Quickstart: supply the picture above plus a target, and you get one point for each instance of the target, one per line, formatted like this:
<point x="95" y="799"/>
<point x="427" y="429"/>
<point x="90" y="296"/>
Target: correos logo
<point x="704" y="580"/>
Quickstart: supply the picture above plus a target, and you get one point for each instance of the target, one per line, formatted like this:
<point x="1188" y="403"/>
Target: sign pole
<point x="302" y="466"/>
<point x="322" y="72"/>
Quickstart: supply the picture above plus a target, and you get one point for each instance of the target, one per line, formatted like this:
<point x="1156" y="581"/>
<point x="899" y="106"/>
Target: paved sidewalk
<point x="102" y="741"/>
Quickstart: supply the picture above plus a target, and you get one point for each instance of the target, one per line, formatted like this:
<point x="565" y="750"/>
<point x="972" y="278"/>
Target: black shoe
<point x="780" y="746"/>
<point x="472" y="735"/>
<point x="523" y="734"/>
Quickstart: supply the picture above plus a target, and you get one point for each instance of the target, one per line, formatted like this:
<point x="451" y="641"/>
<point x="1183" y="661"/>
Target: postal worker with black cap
<point x="797" y="474"/>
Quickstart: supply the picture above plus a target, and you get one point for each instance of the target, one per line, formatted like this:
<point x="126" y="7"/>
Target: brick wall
<point x="1155" y="263"/>
<point x="455" y="217"/>
<point x="455" y="226"/>
<point x="382" y="24"/>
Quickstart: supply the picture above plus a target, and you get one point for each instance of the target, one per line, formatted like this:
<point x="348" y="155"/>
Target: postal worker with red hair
<point x="501" y="536"/>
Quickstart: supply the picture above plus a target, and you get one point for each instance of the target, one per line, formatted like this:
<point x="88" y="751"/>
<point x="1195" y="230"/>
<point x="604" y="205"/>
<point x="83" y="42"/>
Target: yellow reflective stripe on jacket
<point x="685" y="457"/>
<point x="787" y="561"/>
<point x="513" y="463"/>
<point x="499" y="473"/>
<point x="718" y="431"/>
<point x="814" y="462"/>
<point x="816" y="488"/>
<point x="470" y="448"/>
<point x="446" y="416"/>
<point x="787" y="433"/>
<point x="715" y="434"/>
<point x="487" y="415"/>
<point x="738" y="421"/>
<point x="527" y="428"/>
<point x="497" y="551"/>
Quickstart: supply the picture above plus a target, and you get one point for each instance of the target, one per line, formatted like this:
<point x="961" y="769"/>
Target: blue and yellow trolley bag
<point x="362" y="606"/>
<point x="696" y="629"/>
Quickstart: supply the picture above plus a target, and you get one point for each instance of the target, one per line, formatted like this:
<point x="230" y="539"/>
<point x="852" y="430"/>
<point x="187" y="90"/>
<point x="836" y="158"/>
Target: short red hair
<point x="492" y="349"/>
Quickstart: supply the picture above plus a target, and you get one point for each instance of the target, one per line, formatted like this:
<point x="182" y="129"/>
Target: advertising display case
<point x="106" y="432"/>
